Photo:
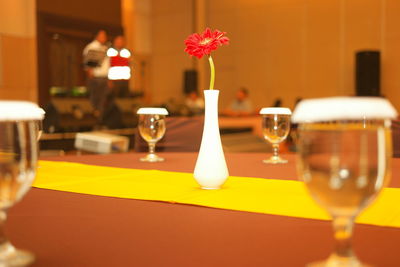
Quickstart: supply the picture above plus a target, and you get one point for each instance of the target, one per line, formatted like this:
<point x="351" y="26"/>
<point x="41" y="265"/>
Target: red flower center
<point x="205" y="41"/>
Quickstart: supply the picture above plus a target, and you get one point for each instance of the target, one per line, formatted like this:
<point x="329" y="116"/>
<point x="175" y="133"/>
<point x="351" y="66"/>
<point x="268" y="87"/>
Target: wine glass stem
<point x="3" y="238"/>
<point x="152" y="147"/>
<point x="275" y="148"/>
<point x="343" y="229"/>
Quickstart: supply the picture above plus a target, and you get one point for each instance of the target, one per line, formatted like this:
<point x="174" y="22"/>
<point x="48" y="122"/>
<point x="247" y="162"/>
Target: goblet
<point x="344" y="160"/>
<point x="275" y="127"/>
<point x="18" y="162"/>
<point x="152" y="129"/>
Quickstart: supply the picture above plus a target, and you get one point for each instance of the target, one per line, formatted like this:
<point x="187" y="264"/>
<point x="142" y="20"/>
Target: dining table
<point x="75" y="229"/>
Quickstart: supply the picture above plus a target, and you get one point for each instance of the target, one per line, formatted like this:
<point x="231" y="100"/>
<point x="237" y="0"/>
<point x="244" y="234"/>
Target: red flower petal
<point x="199" y="45"/>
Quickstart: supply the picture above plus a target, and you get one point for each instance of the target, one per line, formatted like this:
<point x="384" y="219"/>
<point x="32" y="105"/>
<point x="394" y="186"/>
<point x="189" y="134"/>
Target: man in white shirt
<point x="96" y="66"/>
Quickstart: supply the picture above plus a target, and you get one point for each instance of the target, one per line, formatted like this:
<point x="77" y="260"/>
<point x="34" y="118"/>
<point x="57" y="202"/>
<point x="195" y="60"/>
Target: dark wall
<point x="63" y="30"/>
<point x="103" y="11"/>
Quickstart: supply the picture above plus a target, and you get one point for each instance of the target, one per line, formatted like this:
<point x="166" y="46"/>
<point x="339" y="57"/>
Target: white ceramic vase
<point x="211" y="171"/>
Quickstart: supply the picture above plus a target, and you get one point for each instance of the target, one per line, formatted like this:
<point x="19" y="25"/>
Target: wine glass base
<point x="10" y="256"/>
<point x="152" y="158"/>
<point x="326" y="264"/>
<point x="335" y="261"/>
<point x="275" y="160"/>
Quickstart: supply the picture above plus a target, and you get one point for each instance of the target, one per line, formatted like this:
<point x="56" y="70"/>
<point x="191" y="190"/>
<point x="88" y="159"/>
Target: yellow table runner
<point x="278" y="197"/>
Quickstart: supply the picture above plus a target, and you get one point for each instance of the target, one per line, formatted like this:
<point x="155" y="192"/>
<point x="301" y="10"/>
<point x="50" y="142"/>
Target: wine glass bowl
<point x="344" y="161"/>
<point x="18" y="163"/>
<point x="275" y="128"/>
<point x="152" y="128"/>
<point x="39" y="124"/>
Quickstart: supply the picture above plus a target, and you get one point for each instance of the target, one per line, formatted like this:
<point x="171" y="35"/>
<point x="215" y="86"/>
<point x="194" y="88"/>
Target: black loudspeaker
<point x="69" y="115"/>
<point x="121" y="113"/>
<point x="368" y="73"/>
<point x="189" y="81"/>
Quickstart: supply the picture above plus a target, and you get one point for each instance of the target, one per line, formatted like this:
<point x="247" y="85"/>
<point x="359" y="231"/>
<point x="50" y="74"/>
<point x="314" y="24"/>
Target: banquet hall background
<point x="286" y="49"/>
<point x="168" y="202"/>
<point x="279" y="50"/>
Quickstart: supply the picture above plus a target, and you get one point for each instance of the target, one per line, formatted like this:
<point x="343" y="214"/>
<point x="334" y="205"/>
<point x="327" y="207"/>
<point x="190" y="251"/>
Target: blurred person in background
<point x="96" y="65"/>
<point x="277" y="103"/>
<point x="194" y="103"/>
<point x="241" y="105"/>
<point x="119" y="73"/>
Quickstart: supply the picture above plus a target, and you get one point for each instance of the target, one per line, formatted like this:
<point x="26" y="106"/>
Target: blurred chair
<point x="121" y="113"/>
<point x="69" y="115"/>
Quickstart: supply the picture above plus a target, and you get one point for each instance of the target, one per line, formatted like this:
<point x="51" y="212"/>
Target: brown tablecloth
<point x="68" y="229"/>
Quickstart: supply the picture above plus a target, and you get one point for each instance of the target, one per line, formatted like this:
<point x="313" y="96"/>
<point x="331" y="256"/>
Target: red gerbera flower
<point x="199" y="45"/>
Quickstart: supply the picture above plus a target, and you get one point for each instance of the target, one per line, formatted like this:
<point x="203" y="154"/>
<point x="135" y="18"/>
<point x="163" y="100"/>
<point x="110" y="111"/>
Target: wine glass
<point x="152" y="128"/>
<point x="344" y="160"/>
<point x="18" y="162"/>
<point x="275" y="127"/>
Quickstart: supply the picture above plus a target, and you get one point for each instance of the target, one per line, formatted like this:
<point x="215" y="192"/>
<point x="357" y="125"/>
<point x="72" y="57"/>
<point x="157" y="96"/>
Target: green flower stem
<point x="212" y="69"/>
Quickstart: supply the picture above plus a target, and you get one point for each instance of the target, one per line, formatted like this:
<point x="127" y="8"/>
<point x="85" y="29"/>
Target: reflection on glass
<point x="39" y="126"/>
<point x="344" y="164"/>
<point x="275" y="127"/>
<point x="18" y="161"/>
